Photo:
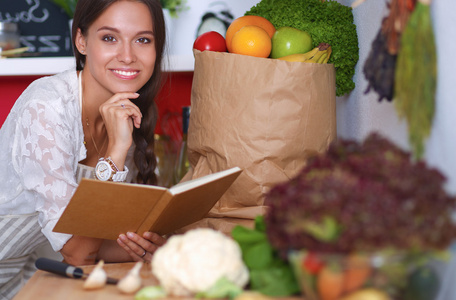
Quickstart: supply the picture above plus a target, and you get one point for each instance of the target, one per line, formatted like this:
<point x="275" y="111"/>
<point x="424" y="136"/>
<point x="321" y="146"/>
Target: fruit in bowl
<point x="379" y="276"/>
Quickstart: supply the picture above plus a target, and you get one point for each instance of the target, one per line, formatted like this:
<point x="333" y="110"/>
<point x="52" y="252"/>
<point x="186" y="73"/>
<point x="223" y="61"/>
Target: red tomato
<point x="312" y="263"/>
<point x="211" y="41"/>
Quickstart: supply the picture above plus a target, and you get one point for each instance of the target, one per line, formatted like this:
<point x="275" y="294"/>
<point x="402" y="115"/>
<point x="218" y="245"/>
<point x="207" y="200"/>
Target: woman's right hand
<point x="120" y="114"/>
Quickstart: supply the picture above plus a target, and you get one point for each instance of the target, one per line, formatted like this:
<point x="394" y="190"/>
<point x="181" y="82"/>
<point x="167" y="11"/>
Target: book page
<point x="190" y="204"/>
<point x="105" y="209"/>
<point x="187" y="185"/>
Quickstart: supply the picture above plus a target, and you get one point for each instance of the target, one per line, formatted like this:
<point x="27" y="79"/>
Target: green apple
<point x="288" y="40"/>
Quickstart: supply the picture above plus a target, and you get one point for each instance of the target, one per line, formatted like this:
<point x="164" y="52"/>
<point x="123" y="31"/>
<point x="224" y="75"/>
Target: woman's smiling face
<point x="119" y="48"/>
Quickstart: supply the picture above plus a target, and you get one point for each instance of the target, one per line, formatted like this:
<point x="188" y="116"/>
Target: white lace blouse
<point x="41" y="143"/>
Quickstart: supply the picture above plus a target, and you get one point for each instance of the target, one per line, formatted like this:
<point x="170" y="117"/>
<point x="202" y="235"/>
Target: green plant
<point x="269" y="274"/>
<point x="174" y="6"/>
<point x="67" y="5"/>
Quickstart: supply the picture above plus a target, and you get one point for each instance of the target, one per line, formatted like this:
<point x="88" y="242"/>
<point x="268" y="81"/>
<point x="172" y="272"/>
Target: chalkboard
<point x="44" y="27"/>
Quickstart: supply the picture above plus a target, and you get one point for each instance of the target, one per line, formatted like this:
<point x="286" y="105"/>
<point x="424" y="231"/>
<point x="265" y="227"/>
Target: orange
<point x="244" y="21"/>
<point x="251" y="40"/>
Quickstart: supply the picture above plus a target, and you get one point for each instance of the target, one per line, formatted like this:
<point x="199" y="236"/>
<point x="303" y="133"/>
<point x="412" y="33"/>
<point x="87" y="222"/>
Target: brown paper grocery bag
<point x="266" y="116"/>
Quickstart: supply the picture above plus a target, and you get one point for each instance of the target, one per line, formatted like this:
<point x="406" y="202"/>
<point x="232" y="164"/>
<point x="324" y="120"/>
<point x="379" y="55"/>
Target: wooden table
<point x="48" y="286"/>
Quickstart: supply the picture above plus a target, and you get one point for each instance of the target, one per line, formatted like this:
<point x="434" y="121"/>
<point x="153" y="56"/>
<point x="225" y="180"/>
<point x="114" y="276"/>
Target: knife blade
<point x="64" y="269"/>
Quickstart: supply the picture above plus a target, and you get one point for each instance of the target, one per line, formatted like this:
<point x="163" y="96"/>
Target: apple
<point x="288" y="40"/>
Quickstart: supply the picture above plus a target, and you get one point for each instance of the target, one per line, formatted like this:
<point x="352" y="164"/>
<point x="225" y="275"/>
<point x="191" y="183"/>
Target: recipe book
<point x="104" y="209"/>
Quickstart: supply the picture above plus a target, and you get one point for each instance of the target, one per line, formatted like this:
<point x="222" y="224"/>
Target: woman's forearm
<point x="110" y="251"/>
<point x="81" y="250"/>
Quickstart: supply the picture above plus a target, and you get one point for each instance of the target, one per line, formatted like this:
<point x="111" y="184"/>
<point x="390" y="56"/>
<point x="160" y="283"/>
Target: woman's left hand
<point x="141" y="248"/>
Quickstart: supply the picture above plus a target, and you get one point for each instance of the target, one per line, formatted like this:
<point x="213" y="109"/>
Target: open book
<point x="105" y="209"/>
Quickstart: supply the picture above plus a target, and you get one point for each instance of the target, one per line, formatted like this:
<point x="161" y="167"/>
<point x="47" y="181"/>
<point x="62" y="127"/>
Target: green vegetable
<point x="276" y="280"/>
<point x="416" y="77"/>
<point x="256" y="251"/>
<point x="380" y="197"/>
<point x="150" y="292"/>
<point x="222" y="288"/>
<point x="259" y="255"/>
<point x="326" y="230"/>
<point x="327" y="22"/>
<point x="248" y="237"/>
<point x="269" y="274"/>
<point x="423" y="284"/>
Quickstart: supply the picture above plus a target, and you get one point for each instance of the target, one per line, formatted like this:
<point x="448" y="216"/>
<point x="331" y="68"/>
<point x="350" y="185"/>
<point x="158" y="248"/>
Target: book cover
<point x="105" y="209"/>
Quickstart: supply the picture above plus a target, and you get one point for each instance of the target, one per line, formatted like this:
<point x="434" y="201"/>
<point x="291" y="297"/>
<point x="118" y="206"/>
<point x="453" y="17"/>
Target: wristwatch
<point x="106" y="170"/>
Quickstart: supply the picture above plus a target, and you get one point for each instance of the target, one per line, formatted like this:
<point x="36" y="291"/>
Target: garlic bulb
<point x="132" y="281"/>
<point x="97" y="278"/>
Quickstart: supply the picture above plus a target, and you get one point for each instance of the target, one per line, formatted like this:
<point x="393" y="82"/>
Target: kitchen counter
<point x="48" y="286"/>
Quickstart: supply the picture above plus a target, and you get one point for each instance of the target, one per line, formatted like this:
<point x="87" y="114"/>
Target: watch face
<point x="103" y="170"/>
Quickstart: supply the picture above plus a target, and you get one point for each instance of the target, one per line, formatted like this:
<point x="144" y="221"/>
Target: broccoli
<point x="327" y="22"/>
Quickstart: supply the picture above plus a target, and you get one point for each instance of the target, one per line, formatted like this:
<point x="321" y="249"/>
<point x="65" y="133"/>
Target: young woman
<point x="96" y="121"/>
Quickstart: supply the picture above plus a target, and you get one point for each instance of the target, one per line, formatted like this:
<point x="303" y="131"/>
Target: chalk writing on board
<point x="48" y="42"/>
<point x="33" y="14"/>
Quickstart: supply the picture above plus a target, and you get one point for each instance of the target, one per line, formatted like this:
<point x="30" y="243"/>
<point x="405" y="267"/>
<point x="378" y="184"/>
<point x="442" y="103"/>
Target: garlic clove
<point x="132" y="282"/>
<point x="97" y="278"/>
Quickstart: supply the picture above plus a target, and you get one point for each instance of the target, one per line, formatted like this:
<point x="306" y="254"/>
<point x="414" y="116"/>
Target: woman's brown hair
<point x="87" y="11"/>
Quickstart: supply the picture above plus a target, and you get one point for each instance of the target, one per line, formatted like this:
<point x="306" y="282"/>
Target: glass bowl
<point x="379" y="276"/>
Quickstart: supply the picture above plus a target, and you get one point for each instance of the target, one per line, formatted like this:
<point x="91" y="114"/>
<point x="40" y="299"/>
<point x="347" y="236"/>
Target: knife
<point x="61" y="268"/>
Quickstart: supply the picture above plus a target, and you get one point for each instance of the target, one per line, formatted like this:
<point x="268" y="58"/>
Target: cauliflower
<point x="194" y="261"/>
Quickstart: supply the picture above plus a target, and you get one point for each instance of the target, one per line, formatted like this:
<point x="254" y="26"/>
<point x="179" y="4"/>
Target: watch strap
<point x="120" y="176"/>
<point x="116" y="175"/>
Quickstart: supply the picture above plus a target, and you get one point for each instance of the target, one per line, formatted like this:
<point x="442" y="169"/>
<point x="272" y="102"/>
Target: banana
<point x="319" y="55"/>
<point x="322" y="56"/>
<point x="300" y="56"/>
<point x="317" y="58"/>
<point x="329" y="55"/>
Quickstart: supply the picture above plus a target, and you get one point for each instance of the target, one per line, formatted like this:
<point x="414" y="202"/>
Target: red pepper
<point x="312" y="263"/>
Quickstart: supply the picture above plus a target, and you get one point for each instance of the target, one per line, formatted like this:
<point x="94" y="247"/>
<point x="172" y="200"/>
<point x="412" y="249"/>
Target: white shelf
<point x="26" y="66"/>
